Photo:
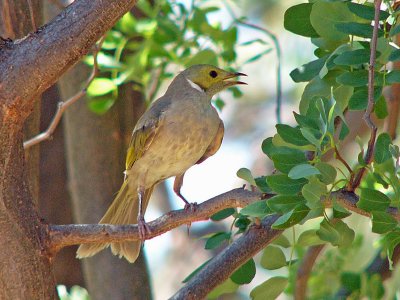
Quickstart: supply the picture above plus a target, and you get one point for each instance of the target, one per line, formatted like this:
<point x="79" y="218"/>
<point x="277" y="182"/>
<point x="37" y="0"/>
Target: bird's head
<point x="210" y="79"/>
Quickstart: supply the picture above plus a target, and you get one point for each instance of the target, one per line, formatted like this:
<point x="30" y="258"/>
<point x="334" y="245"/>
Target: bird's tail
<point x="123" y="210"/>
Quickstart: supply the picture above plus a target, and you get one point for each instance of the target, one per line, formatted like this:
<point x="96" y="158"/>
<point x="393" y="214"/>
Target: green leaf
<point x="394" y="30"/>
<point x="351" y="58"/>
<point x="355" y="78"/>
<point x="395" y="55"/>
<point x="303" y="171"/>
<point x="328" y="173"/>
<point x="308" y="71"/>
<point x="313" y="191"/>
<point x="262" y="184"/>
<point x="281" y="241"/>
<point x="223" y="214"/>
<point x="270" y="289"/>
<point x="339" y="212"/>
<point x="373" y="200"/>
<point x="101" y="86"/>
<point x="351" y="281"/>
<point x="273" y="258"/>
<point x="291" y="218"/>
<point x="284" y="203"/>
<point x="245" y="273"/>
<point x="325" y="15"/>
<point x="366" y="12"/>
<point x="359" y="100"/>
<point x="337" y="233"/>
<point x="101" y="105"/>
<point x="380" y="108"/>
<point x="227" y="287"/>
<point x="206" y="56"/>
<point x="382" y="222"/>
<point x="297" y="20"/>
<point x="216" y="240"/>
<point x="393" y="77"/>
<point x="309" y="238"/>
<point x="282" y="184"/>
<point x="285" y="161"/>
<point x="382" y="152"/>
<point x="246" y="175"/>
<point x="258" y="209"/>
<point x="391" y="240"/>
<point x="291" y="135"/>
<point x="361" y="30"/>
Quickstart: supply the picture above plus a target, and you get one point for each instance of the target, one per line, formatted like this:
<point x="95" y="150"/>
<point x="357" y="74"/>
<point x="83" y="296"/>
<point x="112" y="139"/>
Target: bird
<point x="179" y="130"/>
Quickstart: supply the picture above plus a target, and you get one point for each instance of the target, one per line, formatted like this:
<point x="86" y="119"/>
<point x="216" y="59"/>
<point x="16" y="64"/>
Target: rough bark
<point x="95" y="160"/>
<point x="24" y="273"/>
<point x="27" y="68"/>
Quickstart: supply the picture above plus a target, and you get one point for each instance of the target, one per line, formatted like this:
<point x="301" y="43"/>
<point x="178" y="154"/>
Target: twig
<point x="304" y="271"/>
<point x="370" y="107"/>
<point x="66" y="235"/>
<point x="63" y="105"/>
<point x="228" y="260"/>
<point x="340" y="158"/>
<point x="274" y="39"/>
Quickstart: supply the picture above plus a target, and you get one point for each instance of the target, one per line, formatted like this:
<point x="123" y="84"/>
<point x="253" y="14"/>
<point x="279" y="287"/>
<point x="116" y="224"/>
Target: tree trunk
<point x="25" y="273"/>
<point x="95" y="161"/>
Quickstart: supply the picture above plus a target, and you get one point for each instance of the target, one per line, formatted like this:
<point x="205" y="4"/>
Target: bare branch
<point x="370" y="107"/>
<point x="228" y="260"/>
<point x="304" y="271"/>
<point x="66" y="235"/>
<point x="63" y="105"/>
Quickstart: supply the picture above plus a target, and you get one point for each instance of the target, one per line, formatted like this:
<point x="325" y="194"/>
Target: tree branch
<point x="304" y="271"/>
<point x="370" y="107"/>
<point x="227" y="261"/>
<point x="63" y="105"/>
<point x="66" y="235"/>
<point x="221" y="266"/>
<point x="30" y="65"/>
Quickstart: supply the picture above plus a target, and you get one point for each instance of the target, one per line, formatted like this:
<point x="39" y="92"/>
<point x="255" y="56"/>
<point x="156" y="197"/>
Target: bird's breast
<point x="179" y="143"/>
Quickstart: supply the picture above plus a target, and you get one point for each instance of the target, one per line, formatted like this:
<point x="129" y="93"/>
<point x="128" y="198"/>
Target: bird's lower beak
<point x="228" y="83"/>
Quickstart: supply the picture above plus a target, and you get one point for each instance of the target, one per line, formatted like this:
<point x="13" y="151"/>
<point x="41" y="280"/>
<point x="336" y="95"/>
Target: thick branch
<point x="227" y="261"/>
<point x="67" y="235"/>
<point x="304" y="271"/>
<point x="30" y="65"/>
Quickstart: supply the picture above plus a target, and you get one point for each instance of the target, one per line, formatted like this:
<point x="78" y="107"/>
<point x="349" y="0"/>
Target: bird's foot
<point x="191" y="207"/>
<point x="144" y="229"/>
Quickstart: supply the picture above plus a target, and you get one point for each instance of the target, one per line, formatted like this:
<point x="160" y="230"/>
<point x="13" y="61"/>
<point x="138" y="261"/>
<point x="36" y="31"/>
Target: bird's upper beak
<point x="228" y="83"/>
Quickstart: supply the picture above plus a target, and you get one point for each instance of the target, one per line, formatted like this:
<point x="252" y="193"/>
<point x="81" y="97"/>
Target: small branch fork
<point x="370" y="107"/>
<point x="63" y="105"/>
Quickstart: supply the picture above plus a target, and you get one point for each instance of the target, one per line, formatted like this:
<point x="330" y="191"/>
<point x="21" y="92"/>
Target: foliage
<point x="143" y="45"/>
<point x="336" y="82"/>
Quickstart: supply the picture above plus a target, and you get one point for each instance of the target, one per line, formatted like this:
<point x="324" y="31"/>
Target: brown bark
<point x="27" y="68"/>
<point x="95" y="159"/>
<point x="24" y="273"/>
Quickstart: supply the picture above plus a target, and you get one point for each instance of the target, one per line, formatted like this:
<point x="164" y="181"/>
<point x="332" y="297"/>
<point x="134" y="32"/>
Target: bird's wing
<point x="145" y="131"/>
<point x="215" y="143"/>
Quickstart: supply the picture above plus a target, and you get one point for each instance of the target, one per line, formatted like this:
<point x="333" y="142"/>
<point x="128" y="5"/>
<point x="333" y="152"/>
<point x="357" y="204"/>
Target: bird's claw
<point x="143" y="228"/>
<point x="192" y="207"/>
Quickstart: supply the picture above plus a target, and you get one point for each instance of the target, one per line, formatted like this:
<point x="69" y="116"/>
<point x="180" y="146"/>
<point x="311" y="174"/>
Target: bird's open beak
<point x="228" y="83"/>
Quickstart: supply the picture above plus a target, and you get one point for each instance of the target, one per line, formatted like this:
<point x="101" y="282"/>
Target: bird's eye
<point x="213" y="74"/>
